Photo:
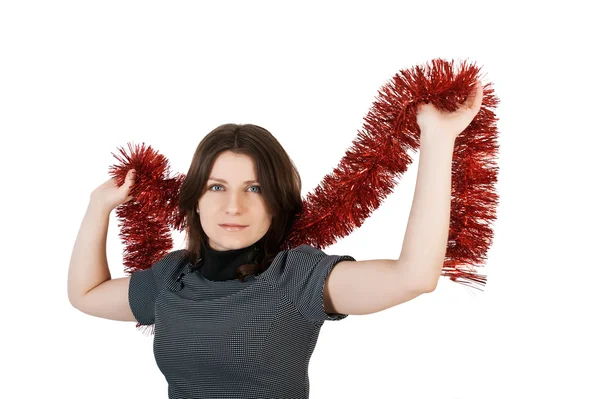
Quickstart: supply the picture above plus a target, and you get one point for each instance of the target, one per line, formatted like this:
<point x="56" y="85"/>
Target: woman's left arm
<point x="370" y="286"/>
<point x="426" y="235"/>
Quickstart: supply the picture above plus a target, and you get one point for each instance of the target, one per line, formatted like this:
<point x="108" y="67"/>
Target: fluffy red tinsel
<point x="357" y="186"/>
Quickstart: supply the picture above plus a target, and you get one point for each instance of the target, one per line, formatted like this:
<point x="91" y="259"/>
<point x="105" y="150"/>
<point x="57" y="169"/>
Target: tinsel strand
<point x="367" y="173"/>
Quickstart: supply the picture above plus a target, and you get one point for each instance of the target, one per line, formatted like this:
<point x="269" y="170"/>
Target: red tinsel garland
<point x="357" y="186"/>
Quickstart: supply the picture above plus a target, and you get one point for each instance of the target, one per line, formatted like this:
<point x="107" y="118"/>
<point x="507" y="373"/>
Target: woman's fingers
<point x="129" y="179"/>
<point x="475" y="97"/>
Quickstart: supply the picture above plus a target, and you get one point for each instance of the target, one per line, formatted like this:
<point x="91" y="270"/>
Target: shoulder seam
<point x="175" y="257"/>
<point x="306" y="249"/>
<point x="288" y="299"/>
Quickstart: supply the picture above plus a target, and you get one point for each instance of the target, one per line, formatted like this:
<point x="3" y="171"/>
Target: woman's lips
<point x="232" y="228"/>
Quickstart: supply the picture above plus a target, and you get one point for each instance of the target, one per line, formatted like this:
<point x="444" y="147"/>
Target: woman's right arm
<point x="90" y="287"/>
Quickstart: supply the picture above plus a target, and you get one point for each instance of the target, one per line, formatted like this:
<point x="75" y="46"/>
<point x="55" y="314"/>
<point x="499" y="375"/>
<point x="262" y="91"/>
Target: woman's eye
<point x="218" y="185"/>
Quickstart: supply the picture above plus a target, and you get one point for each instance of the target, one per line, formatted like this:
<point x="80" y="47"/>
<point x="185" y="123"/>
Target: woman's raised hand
<point x="108" y="195"/>
<point x="434" y="122"/>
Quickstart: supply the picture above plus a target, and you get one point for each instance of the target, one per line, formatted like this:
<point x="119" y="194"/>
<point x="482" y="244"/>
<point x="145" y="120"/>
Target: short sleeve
<point x="145" y="285"/>
<point x="303" y="280"/>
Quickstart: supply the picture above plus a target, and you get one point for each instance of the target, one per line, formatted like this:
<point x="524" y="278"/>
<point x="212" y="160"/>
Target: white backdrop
<point x="79" y="79"/>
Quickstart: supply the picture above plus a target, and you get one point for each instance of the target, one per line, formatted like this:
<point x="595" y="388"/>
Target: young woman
<point x="234" y="316"/>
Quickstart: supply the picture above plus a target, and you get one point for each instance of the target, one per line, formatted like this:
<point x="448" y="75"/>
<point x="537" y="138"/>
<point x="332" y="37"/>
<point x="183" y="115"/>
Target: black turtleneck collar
<point x="221" y="265"/>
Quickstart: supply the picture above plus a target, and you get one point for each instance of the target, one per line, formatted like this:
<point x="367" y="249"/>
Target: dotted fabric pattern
<point x="234" y="339"/>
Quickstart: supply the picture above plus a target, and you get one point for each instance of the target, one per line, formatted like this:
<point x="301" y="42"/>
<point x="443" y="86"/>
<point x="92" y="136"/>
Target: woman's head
<point x="240" y="174"/>
<point x="233" y="196"/>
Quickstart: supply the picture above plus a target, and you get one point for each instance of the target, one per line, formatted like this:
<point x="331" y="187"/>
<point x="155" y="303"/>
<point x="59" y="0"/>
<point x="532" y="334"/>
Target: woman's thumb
<point x="129" y="177"/>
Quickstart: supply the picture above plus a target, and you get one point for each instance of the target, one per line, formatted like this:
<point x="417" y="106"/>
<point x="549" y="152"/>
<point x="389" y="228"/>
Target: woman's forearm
<point x="89" y="267"/>
<point x="426" y="236"/>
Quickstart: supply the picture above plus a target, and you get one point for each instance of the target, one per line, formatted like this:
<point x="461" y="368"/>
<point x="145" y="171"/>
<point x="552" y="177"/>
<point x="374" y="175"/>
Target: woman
<point x="236" y="317"/>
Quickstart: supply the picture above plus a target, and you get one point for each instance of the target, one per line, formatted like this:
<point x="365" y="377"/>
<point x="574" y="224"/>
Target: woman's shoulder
<point x="301" y="252"/>
<point x="296" y="257"/>
<point x="170" y="264"/>
<point x="305" y="259"/>
<point x="308" y="249"/>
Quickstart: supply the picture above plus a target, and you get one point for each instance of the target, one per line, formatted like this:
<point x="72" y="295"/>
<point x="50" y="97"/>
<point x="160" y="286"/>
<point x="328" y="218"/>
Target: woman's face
<point x="235" y="199"/>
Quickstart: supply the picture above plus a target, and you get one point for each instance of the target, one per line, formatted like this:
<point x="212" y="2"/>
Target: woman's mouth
<point x="232" y="227"/>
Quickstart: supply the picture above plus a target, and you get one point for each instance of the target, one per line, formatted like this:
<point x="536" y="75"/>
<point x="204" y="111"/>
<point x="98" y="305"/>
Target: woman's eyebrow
<point x="225" y="181"/>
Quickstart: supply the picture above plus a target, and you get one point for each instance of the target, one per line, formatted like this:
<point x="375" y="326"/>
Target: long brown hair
<point x="278" y="177"/>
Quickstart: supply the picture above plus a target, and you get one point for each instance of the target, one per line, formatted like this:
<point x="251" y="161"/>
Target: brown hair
<point x="278" y="177"/>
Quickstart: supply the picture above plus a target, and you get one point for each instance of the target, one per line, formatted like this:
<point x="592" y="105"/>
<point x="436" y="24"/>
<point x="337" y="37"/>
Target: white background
<point x="80" y="79"/>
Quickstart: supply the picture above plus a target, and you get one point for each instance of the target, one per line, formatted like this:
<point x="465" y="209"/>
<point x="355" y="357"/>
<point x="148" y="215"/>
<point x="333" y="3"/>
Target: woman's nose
<point x="235" y="203"/>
